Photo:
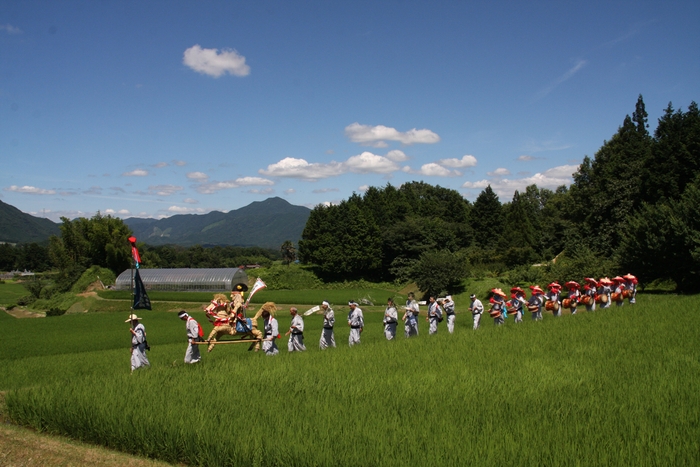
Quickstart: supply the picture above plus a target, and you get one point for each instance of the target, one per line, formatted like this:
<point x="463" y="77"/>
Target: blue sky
<point x="156" y="108"/>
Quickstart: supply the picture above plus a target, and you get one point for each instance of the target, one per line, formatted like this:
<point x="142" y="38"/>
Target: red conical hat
<point x="629" y="277"/>
<point x="517" y="289"/>
<point x="572" y="285"/>
<point x="618" y="279"/>
<point x="605" y="281"/>
<point x="554" y="285"/>
<point x="536" y="290"/>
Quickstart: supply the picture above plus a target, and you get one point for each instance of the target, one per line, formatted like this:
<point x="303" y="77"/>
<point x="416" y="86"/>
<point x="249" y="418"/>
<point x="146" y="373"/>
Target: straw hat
<point x="132" y="317"/>
<point x="518" y="290"/>
<point x="498" y="292"/>
<point x="536" y="289"/>
<point x="605" y="281"/>
<point x="554" y="285"/>
<point x="572" y="285"/>
<point x="629" y="277"/>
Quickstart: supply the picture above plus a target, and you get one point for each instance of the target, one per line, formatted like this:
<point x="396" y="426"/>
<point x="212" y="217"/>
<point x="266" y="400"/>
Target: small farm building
<point x="185" y="279"/>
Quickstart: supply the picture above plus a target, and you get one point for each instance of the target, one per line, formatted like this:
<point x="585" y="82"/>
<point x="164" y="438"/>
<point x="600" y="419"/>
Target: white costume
<point x="327" y="336"/>
<point x="356" y="322"/>
<point x="391" y="318"/>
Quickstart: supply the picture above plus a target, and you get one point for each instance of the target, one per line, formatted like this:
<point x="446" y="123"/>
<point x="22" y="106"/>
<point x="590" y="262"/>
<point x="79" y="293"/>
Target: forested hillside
<point x="634" y="206"/>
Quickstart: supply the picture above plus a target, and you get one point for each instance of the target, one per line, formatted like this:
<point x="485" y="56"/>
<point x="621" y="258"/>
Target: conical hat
<point x="572" y="285"/>
<point x="605" y="281"/>
<point x="517" y="289"/>
<point x="554" y="285"/>
<point x="629" y="277"/>
<point x="498" y="292"/>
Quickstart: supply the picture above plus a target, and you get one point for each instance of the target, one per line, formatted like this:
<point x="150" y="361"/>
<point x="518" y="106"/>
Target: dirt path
<point x="21" y="447"/>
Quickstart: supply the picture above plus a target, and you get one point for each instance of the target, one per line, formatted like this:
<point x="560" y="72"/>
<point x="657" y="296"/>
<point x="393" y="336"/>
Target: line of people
<point x="226" y="316"/>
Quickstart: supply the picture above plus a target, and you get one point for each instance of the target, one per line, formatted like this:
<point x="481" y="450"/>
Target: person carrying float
<point x="218" y="314"/>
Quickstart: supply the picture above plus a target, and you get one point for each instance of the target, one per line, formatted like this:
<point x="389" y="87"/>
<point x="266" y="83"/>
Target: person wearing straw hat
<point x="269" y="344"/>
<point x="192" y="328"/>
<point x="327" y="336"/>
<point x="391" y="318"/>
<point x="497" y="306"/>
<point x="553" y="296"/>
<point x="410" y="316"/>
<point x="631" y="285"/>
<point x="517" y="301"/>
<point x="619" y="285"/>
<point x="449" y="306"/>
<point x="589" y="293"/>
<point x="604" y="292"/>
<point x="535" y="302"/>
<point x="477" y="308"/>
<point x="138" y="343"/>
<point x="574" y="295"/>
<point x="356" y="322"/>
<point x="296" y="332"/>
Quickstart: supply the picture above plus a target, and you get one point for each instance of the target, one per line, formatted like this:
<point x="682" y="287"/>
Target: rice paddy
<point x="614" y="387"/>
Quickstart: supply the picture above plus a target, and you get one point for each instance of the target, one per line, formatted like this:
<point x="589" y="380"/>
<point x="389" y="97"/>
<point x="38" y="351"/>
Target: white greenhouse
<point x="185" y="279"/>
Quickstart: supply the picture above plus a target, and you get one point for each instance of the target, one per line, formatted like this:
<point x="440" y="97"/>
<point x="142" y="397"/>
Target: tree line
<point x="633" y="206"/>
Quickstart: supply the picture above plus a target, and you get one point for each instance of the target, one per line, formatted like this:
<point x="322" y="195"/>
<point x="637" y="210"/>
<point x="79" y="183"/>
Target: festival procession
<point x="231" y="325"/>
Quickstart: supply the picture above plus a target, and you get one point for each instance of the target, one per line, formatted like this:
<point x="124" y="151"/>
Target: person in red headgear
<point x="574" y="295"/>
<point x="516" y="303"/>
<point x="589" y="293"/>
<point x="497" y="306"/>
<point x="631" y="285"/>
<point x="553" y="296"/>
<point x="619" y="290"/>
<point x="604" y="292"/>
<point x="535" y="303"/>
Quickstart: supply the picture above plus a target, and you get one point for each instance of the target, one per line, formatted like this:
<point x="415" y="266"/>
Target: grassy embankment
<point x="616" y="387"/>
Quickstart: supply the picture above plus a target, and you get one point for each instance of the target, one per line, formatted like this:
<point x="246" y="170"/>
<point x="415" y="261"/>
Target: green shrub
<point x="94" y="274"/>
<point x="55" y="312"/>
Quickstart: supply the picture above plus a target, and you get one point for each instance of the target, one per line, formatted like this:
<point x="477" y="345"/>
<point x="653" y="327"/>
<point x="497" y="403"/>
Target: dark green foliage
<point x="439" y="272"/>
<point x="486" y="219"/>
<point x="197" y="256"/>
<point x="380" y="235"/>
<point x="289" y="253"/>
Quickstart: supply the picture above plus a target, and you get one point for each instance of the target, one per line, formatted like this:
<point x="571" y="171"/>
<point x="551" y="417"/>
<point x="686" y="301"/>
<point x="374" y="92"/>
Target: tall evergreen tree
<point x="486" y="219"/>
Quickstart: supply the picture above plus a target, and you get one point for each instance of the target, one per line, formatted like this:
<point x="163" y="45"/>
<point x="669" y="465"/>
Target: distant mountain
<point x="19" y="227"/>
<point x="262" y="223"/>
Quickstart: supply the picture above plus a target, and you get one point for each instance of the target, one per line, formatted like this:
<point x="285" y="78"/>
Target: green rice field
<point x="613" y="387"/>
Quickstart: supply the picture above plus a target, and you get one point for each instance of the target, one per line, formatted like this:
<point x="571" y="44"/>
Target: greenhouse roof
<point x="204" y="279"/>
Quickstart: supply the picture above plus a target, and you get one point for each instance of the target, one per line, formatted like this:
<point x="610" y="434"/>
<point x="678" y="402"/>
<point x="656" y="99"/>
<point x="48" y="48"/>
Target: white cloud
<point x="164" y="190"/>
<point x="465" y="161"/>
<point x="136" y="173"/>
<point x="184" y="210"/>
<point x="370" y="163"/>
<point x="500" y="172"/>
<point x="93" y="190"/>
<point x="569" y="73"/>
<point x="299" y="168"/>
<point x="264" y="191"/>
<point x="366" y="162"/>
<point x="378" y="135"/>
<point x="325" y="190"/>
<point x="396" y="155"/>
<point x="436" y="170"/>
<point x="214" y="63"/>
<point x="160" y="165"/>
<point x="290" y="191"/>
<point x="247" y="181"/>
<point x="10" y="29"/>
<point x="213" y="187"/>
<point x="551" y="179"/>
<point x="197" y="176"/>
<point x="190" y="201"/>
<point x="30" y="190"/>
<point x="526" y="158"/>
<point x="363" y="188"/>
<point x="180" y="163"/>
